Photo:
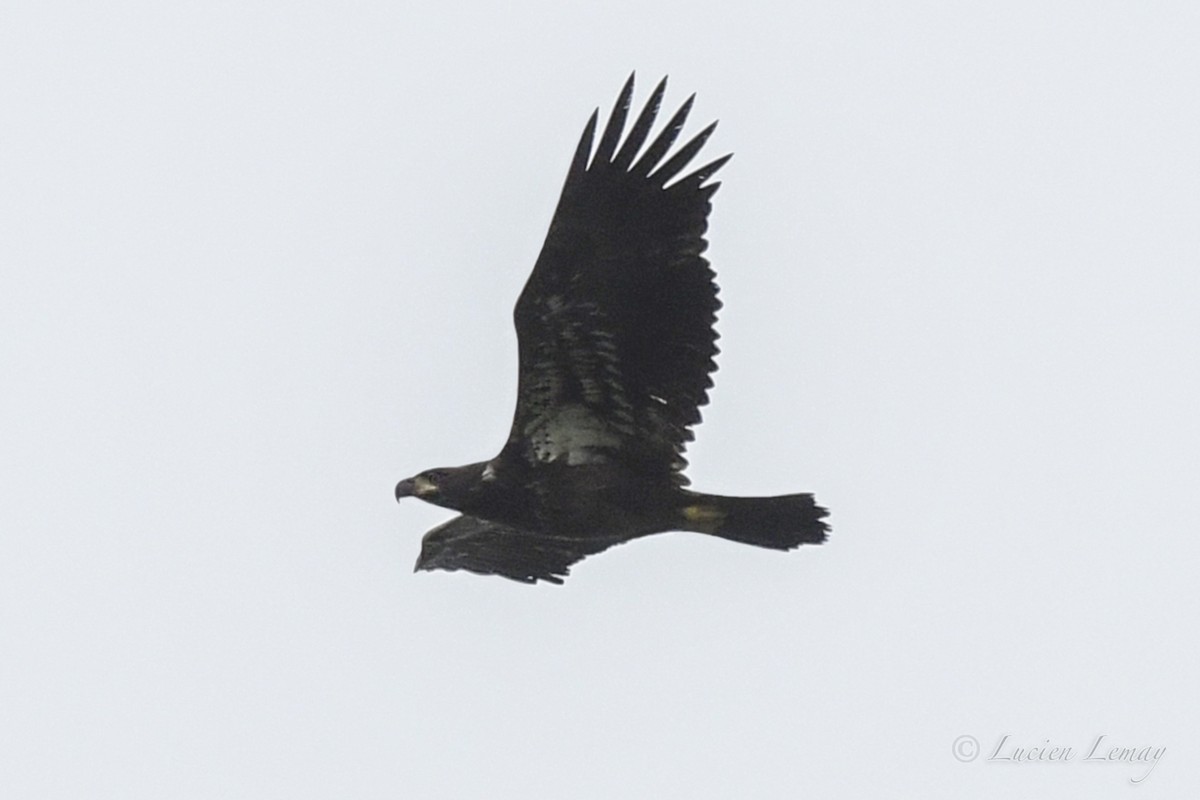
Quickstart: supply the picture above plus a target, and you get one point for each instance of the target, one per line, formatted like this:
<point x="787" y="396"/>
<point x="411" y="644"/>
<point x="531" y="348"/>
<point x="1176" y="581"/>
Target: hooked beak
<point x="415" y="487"/>
<point x="406" y="488"/>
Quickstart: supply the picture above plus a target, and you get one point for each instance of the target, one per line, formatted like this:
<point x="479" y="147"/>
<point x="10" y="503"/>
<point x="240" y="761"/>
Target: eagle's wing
<point x="490" y="548"/>
<point x="615" y="325"/>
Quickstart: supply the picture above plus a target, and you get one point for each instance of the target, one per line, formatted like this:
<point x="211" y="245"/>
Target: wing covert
<point x="491" y="548"/>
<point x="615" y="324"/>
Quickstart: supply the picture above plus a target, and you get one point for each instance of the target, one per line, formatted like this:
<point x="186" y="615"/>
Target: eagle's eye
<point x="428" y="483"/>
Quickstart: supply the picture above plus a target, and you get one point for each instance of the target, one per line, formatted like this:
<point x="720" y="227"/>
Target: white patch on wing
<point x="571" y="434"/>
<point x="489" y="473"/>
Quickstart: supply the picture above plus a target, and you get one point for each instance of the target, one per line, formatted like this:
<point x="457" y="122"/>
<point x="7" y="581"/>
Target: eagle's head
<point x="450" y="487"/>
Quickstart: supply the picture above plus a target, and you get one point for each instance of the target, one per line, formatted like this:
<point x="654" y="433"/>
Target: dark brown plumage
<point x="616" y="342"/>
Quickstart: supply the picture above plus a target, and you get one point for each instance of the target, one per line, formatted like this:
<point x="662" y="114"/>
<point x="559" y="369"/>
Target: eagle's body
<point x="616" y="341"/>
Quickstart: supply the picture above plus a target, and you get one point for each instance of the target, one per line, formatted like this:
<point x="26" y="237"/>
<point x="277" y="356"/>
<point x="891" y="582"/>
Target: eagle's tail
<point x="780" y="523"/>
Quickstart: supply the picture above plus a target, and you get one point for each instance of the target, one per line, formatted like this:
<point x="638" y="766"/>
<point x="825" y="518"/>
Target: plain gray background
<point x="259" y="262"/>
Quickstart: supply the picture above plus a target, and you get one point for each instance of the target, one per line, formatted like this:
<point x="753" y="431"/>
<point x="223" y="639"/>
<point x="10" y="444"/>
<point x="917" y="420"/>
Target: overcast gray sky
<point x="259" y="262"/>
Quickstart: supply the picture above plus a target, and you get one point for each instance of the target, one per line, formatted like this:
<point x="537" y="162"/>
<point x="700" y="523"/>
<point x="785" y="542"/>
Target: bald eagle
<point x="616" y="345"/>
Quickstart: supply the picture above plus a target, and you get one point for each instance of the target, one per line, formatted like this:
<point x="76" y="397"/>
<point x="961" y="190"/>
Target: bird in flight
<point x="616" y="345"/>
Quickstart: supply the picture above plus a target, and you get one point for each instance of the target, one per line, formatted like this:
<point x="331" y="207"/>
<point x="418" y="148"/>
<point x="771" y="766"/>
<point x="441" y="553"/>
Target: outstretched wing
<point x="615" y="325"/>
<point x="489" y="548"/>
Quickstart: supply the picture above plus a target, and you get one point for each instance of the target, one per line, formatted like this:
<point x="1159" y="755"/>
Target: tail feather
<point x="780" y="523"/>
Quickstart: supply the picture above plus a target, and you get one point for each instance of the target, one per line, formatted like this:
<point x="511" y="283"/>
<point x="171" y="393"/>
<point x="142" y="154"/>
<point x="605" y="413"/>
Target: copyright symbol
<point x="966" y="748"/>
